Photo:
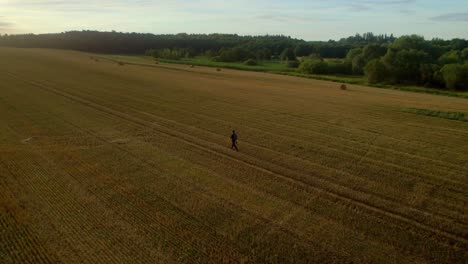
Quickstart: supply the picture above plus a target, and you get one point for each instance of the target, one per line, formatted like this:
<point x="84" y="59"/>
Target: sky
<point x="309" y="20"/>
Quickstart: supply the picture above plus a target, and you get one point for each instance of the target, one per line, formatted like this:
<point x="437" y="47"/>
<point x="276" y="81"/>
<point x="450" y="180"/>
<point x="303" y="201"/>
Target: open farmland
<point x="108" y="163"/>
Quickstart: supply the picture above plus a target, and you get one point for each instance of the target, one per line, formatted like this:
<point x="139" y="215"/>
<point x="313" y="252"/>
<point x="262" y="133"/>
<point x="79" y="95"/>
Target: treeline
<point x="381" y="58"/>
<point x="407" y="60"/>
<point x="274" y="48"/>
<point x="411" y="59"/>
<point x="138" y="43"/>
<point x="228" y="46"/>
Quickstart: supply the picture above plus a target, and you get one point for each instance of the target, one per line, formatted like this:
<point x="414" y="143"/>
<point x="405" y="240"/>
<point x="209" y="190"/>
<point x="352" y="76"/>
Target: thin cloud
<point x="387" y="2"/>
<point x="407" y="11"/>
<point x="358" y="7"/>
<point x="4" y="24"/>
<point x="78" y="5"/>
<point x="367" y="5"/>
<point x="292" y="18"/>
<point x="282" y="18"/>
<point x="452" y="17"/>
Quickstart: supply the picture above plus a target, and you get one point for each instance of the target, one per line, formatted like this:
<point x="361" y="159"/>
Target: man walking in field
<point x="234" y="140"/>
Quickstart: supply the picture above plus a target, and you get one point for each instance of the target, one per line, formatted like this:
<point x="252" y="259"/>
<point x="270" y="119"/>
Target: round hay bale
<point x="218" y="69"/>
<point x="192" y="66"/>
<point x="344" y="87"/>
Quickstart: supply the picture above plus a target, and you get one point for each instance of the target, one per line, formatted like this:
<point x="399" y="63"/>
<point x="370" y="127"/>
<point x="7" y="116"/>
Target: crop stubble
<point x="130" y="163"/>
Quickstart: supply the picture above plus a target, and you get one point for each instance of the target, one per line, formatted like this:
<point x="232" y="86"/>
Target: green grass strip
<point x="459" y="116"/>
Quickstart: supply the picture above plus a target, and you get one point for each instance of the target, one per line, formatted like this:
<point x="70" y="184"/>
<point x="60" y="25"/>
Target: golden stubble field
<point x="101" y="163"/>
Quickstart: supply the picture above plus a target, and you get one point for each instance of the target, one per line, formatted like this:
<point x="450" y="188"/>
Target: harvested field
<point x="107" y="164"/>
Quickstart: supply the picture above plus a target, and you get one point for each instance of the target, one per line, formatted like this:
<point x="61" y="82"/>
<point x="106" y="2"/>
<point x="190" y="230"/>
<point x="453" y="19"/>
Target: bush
<point x="451" y="57"/>
<point x="234" y="54"/>
<point x="428" y="75"/>
<point x="339" y="67"/>
<point x="358" y="63"/>
<point x="375" y="71"/>
<point x="464" y="54"/>
<point x="404" y="65"/>
<point x="251" y="62"/>
<point x="288" y="54"/>
<point x="452" y="75"/>
<point x="293" y="64"/>
<point x="313" y="66"/>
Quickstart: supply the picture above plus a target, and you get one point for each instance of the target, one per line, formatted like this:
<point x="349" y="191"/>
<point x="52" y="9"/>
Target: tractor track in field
<point x="332" y="124"/>
<point x="272" y="225"/>
<point x="79" y="178"/>
<point x="154" y="166"/>
<point x="332" y="194"/>
<point x="321" y="177"/>
<point x="434" y="180"/>
<point x="144" y="209"/>
<point x="265" y="221"/>
<point x="334" y="148"/>
<point x="130" y="200"/>
<point x="53" y="193"/>
<point x="293" y="171"/>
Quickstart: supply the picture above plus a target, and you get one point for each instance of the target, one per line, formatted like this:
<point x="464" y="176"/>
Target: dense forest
<point x="381" y="58"/>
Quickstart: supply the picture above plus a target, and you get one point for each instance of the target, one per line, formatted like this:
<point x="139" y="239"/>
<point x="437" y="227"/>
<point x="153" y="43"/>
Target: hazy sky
<point x="310" y="20"/>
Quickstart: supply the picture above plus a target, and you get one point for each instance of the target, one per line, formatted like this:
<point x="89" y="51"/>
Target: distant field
<point x="281" y="68"/>
<point x="108" y="163"/>
<point x="263" y="66"/>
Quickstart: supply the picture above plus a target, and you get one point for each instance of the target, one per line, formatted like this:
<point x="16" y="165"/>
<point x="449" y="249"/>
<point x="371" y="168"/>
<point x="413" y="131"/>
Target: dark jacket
<point x="234" y="137"/>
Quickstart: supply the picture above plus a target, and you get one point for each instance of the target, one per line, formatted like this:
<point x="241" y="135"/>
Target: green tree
<point x="313" y="66"/>
<point x="464" y="54"/>
<point x="338" y="66"/>
<point x="358" y="63"/>
<point x="251" y="62"/>
<point x="352" y="53"/>
<point x="263" y="54"/>
<point x="453" y="56"/>
<point x="288" y="54"/>
<point x="293" y="63"/>
<point x="303" y="49"/>
<point x="465" y="76"/>
<point x="235" y="54"/>
<point x="404" y="65"/>
<point x="429" y="75"/>
<point x="453" y="75"/>
<point x="373" y="51"/>
<point x="410" y="42"/>
<point x="375" y="71"/>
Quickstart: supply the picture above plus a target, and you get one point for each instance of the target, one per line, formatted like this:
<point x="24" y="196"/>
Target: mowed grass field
<point x="101" y="163"/>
